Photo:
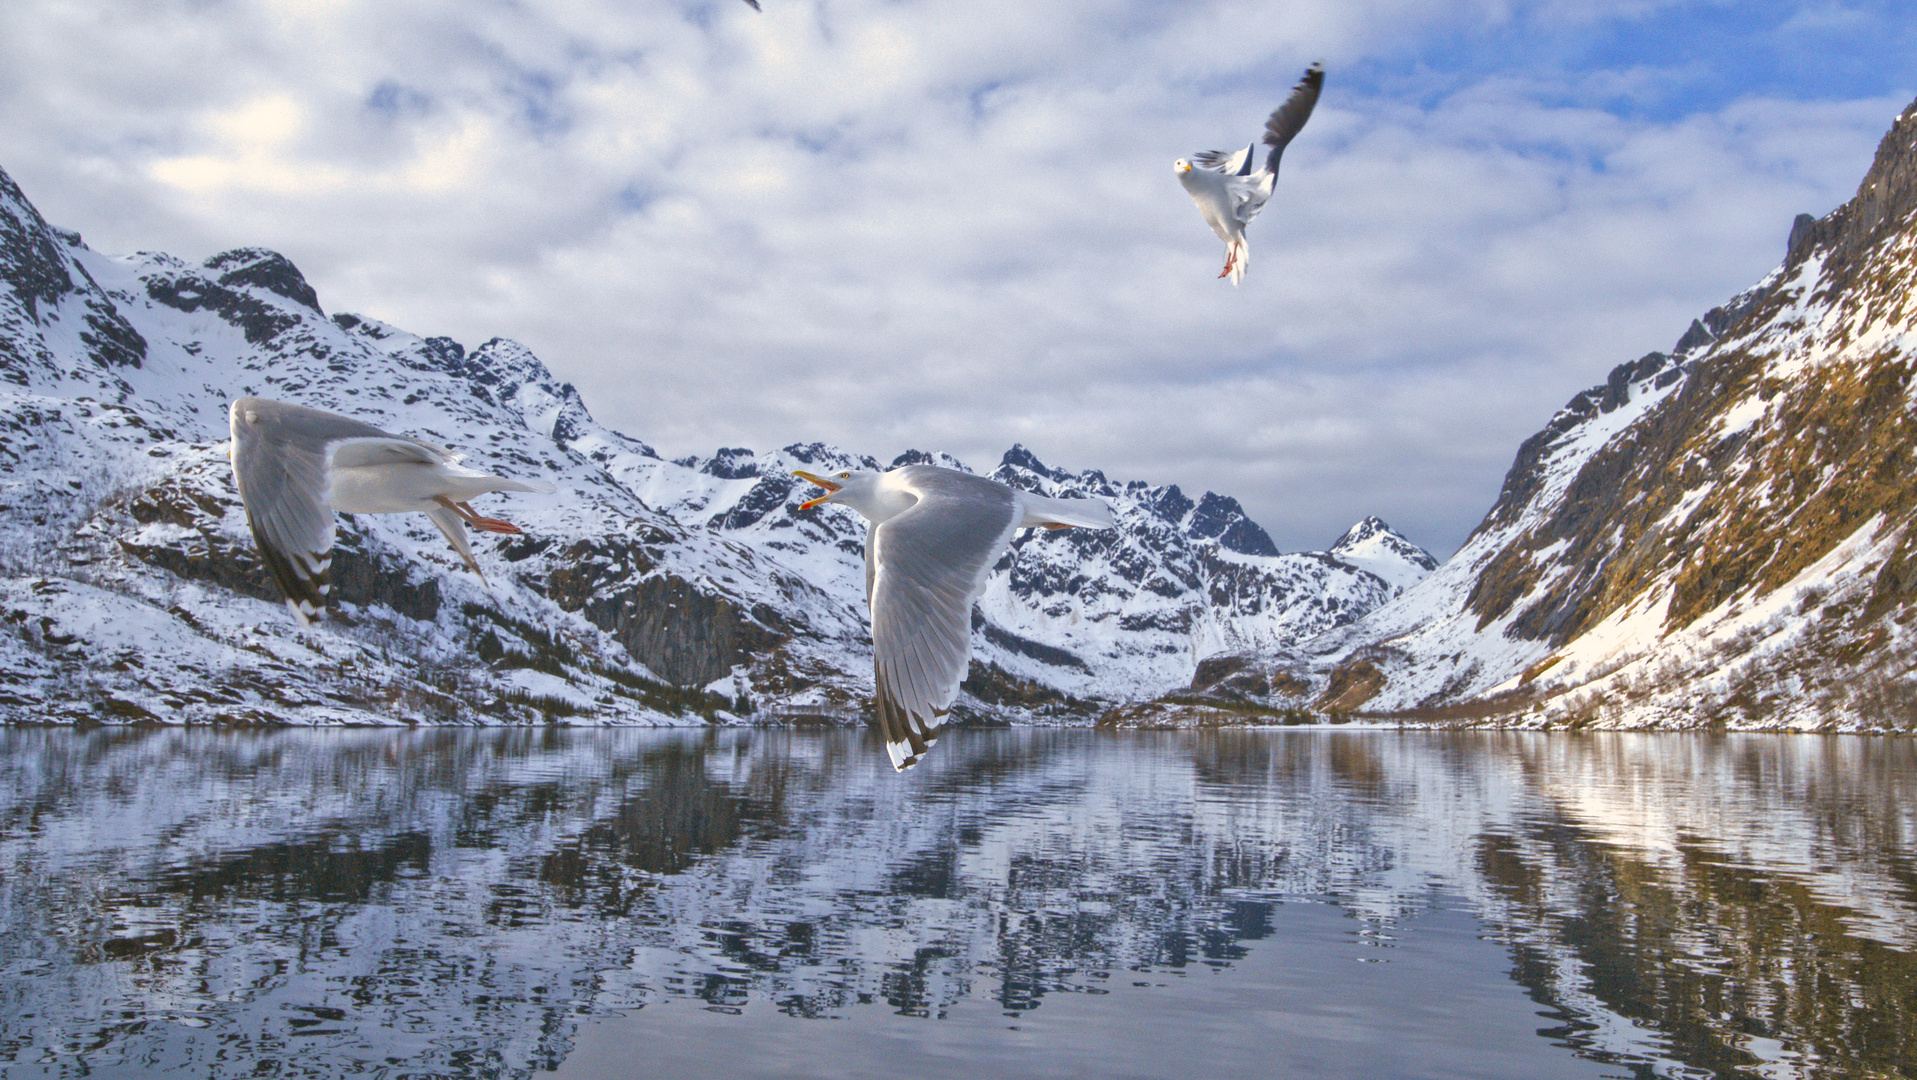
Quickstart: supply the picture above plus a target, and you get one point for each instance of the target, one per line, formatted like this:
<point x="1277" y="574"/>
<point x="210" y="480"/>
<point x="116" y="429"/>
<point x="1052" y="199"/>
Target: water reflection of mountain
<point x="451" y="901"/>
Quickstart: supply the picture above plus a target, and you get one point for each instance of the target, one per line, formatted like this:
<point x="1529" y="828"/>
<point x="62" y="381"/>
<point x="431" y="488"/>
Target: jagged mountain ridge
<point x="1723" y="535"/>
<point x="644" y="591"/>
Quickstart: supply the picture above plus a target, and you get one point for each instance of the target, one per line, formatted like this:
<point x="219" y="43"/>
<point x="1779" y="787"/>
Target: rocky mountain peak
<point x="1376" y="547"/>
<point x="731" y="463"/>
<point x="1020" y="458"/>
<point x="265" y="269"/>
<point x="1220" y="517"/>
<point x="1883" y="201"/>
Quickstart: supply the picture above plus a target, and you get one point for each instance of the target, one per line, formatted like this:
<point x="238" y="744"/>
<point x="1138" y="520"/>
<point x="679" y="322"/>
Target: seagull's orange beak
<point x="828" y="485"/>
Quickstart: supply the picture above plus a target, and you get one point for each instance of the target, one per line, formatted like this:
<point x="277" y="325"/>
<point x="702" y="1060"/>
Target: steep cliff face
<point x="1721" y="535"/>
<point x="644" y="591"/>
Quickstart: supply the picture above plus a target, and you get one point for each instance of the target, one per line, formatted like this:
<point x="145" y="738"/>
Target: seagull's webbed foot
<point x="483" y="524"/>
<point x="1056" y="525"/>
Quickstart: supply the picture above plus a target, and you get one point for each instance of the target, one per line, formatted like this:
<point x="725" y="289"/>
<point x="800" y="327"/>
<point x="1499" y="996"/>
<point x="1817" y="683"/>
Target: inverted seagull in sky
<point x="295" y="466"/>
<point x="1228" y="193"/>
<point x="931" y="539"/>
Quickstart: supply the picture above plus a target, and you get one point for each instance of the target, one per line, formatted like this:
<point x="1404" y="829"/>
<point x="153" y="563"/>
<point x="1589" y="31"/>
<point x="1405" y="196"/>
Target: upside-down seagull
<point x="1228" y="193"/>
<point x="931" y="539"/>
<point x="295" y="466"/>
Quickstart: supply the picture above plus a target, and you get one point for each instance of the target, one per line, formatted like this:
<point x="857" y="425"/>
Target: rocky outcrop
<point x="685" y="635"/>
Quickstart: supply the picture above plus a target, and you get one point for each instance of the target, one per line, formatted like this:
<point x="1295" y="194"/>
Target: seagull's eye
<point x="845" y="476"/>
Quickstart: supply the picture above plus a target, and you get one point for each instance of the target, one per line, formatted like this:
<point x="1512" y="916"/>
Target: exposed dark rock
<point x="31" y="262"/>
<point x="189" y="292"/>
<point x="1351" y="685"/>
<point x="993" y="685"/>
<point x="687" y="636"/>
<point x="110" y="339"/>
<point x="263" y="269"/>
<point x="732" y="463"/>
<point x="766" y="496"/>
<point x="1222" y="518"/>
<point x="1005" y="639"/>
<point x="1171" y="505"/>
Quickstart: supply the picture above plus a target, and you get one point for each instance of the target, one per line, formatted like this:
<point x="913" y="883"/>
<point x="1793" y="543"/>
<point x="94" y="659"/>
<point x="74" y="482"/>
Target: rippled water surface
<point x="1027" y="903"/>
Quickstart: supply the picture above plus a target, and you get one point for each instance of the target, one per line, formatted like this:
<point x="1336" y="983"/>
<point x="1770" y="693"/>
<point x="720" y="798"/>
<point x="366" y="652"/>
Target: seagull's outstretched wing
<point x="282" y="455"/>
<point x="1289" y="119"/>
<point x="929" y="565"/>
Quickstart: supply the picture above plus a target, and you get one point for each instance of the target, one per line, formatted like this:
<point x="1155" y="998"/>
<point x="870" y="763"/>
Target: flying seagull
<point x="932" y="538"/>
<point x="295" y="466"/>
<point x="1228" y="193"/>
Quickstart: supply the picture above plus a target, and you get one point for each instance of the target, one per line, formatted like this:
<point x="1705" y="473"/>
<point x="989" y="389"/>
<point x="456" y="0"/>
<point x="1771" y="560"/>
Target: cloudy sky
<point x="953" y="224"/>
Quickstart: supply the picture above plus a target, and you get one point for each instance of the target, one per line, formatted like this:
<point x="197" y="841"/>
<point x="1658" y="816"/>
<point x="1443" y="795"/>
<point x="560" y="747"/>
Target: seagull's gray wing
<point x="930" y="565"/>
<point x="1289" y="119"/>
<point x="281" y="456"/>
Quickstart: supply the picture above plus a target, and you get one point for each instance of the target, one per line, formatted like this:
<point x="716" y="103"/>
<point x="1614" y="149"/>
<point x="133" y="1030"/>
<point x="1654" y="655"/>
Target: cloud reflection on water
<point x="455" y="901"/>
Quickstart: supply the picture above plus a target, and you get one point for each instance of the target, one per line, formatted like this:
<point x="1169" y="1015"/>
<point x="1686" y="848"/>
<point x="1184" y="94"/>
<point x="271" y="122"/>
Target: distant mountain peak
<point x="265" y="269"/>
<point x="732" y="463"/>
<point x="1020" y="458"/>
<point x="1376" y="547"/>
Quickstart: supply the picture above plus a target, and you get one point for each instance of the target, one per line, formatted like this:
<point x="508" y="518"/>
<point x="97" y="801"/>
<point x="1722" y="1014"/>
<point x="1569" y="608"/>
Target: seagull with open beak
<point x="932" y="537"/>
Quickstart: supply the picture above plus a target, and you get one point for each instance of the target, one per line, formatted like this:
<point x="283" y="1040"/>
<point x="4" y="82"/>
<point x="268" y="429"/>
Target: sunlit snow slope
<point x="1722" y="535"/>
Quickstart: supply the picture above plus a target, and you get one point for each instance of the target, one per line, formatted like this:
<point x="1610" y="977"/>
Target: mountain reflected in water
<point x="482" y="903"/>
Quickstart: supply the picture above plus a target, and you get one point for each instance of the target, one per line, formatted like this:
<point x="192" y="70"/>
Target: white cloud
<point x="952" y="225"/>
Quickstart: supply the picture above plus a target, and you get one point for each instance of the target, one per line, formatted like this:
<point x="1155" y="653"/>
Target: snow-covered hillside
<point x="643" y="591"/>
<point x="1725" y="535"/>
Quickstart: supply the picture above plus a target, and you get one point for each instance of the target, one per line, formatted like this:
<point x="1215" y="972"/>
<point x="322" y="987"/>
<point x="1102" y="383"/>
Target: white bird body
<point x="295" y="466"/>
<point x="1228" y="203"/>
<point x="932" y="538"/>
<point x="1229" y="194"/>
<point x="405" y="486"/>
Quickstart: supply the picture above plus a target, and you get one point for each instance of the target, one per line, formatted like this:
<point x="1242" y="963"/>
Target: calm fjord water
<point x="1046" y="903"/>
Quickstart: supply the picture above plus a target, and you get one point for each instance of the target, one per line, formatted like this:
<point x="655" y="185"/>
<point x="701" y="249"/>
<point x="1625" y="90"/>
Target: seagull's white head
<point x="1181" y="166"/>
<point x="856" y="488"/>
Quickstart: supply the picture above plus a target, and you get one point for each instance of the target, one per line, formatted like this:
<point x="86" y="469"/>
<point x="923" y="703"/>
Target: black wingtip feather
<point x="1288" y="119"/>
<point x="901" y="728"/>
<point x="308" y="596"/>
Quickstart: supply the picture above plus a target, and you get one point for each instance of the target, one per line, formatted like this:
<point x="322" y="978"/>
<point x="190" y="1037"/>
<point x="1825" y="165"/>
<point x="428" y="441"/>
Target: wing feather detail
<point x="930" y="565"/>
<point x="1287" y="120"/>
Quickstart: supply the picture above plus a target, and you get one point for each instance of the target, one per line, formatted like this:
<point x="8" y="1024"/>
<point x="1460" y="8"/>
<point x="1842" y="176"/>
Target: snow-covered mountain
<point x="645" y="590"/>
<point x="1722" y="535"/>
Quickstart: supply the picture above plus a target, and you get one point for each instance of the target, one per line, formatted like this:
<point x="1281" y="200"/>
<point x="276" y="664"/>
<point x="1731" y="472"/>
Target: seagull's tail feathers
<point x="454" y="527"/>
<point x="1060" y="513"/>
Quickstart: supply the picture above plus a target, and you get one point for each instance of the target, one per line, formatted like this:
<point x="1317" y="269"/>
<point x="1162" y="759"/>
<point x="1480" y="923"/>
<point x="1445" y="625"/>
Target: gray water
<point x="1046" y="903"/>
